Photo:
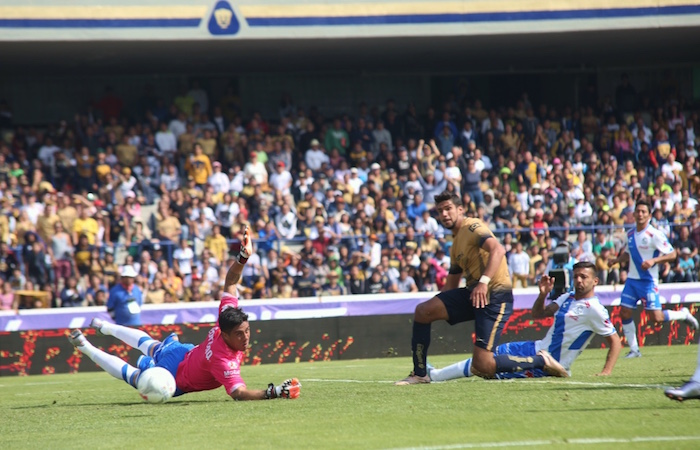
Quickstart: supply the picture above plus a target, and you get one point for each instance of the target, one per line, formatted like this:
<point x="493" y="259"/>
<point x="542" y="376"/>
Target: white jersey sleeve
<point x="661" y="242"/>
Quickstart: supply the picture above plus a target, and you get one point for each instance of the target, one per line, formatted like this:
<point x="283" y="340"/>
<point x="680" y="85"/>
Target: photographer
<point x="561" y="269"/>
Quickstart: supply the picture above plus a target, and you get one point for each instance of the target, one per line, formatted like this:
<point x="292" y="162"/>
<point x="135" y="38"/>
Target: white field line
<point x="544" y="381"/>
<point x="559" y="442"/>
<point x="34" y="383"/>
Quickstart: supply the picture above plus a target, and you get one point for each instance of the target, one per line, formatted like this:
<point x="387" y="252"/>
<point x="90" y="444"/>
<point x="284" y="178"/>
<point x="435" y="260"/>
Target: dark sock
<point x="510" y="364"/>
<point x="419" y="347"/>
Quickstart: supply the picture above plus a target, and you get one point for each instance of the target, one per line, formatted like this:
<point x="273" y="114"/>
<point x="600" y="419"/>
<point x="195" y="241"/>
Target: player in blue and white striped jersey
<point x="647" y="247"/>
<point x="577" y="316"/>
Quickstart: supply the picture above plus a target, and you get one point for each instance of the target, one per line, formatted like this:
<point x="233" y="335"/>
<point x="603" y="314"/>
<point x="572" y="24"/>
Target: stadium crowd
<point x="337" y="205"/>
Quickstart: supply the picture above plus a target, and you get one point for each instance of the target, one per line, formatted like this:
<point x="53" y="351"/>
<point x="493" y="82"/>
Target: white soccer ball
<point x="156" y="385"/>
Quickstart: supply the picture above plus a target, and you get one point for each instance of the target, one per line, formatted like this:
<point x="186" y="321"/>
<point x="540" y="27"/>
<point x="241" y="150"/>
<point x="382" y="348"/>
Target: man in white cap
<point x="125" y="299"/>
<point x="355" y="181"/>
<point x="315" y="156"/>
<point x="219" y="180"/>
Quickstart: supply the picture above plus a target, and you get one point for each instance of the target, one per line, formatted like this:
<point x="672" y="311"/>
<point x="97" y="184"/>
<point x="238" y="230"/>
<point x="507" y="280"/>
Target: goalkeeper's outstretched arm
<point x="289" y="389"/>
<point x="233" y="276"/>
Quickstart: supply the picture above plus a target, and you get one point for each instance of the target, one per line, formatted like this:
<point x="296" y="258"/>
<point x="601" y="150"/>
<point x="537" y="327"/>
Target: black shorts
<point x="488" y="321"/>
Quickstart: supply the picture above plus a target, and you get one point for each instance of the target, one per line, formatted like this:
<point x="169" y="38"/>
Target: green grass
<point x="353" y="405"/>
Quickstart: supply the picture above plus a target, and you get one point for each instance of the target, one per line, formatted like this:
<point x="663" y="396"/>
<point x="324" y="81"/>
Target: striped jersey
<point x="574" y="325"/>
<point x="642" y="246"/>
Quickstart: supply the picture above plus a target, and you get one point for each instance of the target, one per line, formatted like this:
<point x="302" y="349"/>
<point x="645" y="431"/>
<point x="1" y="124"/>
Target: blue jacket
<point x="119" y="308"/>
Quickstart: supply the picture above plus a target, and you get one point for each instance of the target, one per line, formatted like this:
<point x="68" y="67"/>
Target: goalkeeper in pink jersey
<point x="213" y="363"/>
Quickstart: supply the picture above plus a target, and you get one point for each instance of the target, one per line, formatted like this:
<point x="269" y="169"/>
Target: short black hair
<point x="448" y="196"/>
<point x="585" y="265"/>
<point x="230" y="318"/>
<point x="642" y="203"/>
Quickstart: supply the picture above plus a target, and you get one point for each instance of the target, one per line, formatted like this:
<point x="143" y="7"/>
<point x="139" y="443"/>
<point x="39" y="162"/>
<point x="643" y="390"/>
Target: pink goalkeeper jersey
<point x="212" y="363"/>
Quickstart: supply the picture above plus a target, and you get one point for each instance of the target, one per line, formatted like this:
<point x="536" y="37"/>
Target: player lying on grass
<point x="576" y="315"/>
<point x="213" y="363"/>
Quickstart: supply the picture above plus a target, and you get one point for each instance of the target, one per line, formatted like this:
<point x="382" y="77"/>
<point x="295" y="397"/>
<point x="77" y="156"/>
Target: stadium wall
<point x="309" y="330"/>
<point x="671" y="294"/>
<point x="282" y="341"/>
<point x="47" y="20"/>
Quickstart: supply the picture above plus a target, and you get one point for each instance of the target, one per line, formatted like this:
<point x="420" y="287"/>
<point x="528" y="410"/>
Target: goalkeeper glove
<point x="243" y="254"/>
<point x="291" y="388"/>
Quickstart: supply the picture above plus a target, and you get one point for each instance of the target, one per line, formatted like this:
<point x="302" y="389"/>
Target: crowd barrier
<point x="297" y="308"/>
<point x="299" y="330"/>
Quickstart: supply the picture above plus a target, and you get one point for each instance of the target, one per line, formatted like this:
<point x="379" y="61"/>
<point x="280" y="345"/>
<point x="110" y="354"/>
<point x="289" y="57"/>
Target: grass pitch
<point x="354" y="405"/>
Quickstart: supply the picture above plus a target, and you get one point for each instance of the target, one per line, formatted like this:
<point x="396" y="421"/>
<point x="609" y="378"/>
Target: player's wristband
<point x="270" y="392"/>
<point x="241" y="259"/>
<point x="484" y="279"/>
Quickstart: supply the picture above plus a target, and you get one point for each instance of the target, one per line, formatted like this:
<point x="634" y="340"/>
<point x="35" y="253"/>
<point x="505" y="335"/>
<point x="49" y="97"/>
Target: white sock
<point x="631" y="334"/>
<point x="457" y="370"/>
<point x="671" y="315"/>
<point x="111" y="364"/>
<point x="131" y="336"/>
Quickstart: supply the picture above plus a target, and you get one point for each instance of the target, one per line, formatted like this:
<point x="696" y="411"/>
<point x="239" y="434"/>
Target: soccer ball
<point x="156" y="385"/>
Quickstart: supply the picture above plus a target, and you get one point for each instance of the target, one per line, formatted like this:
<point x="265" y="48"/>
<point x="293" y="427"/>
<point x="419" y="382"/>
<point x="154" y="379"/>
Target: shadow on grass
<point x="112" y="404"/>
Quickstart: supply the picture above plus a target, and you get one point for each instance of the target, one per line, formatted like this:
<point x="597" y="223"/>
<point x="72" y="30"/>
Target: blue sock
<point x="419" y="347"/>
<point x="510" y="364"/>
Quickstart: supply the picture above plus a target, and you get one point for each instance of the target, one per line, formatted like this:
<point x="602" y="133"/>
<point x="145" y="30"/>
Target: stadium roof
<point x="514" y="53"/>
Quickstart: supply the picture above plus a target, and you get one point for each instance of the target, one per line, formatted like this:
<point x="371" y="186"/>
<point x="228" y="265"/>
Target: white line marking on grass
<point x="585" y="441"/>
<point x="323" y="380"/>
<point x="552" y="381"/>
<point x="573" y="441"/>
<point x="36" y="383"/>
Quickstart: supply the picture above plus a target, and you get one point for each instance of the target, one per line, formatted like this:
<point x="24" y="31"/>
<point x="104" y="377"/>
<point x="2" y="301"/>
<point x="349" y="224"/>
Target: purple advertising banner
<point x="299" y="308"/>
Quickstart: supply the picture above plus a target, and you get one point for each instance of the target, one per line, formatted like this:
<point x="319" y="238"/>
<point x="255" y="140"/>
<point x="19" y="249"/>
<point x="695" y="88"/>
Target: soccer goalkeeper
<point x="213" y="363"/>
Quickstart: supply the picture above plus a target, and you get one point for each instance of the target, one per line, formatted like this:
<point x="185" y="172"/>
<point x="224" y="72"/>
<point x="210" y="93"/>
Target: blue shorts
<point x="524" y="349"/>
<point x="170" y="354"/>
<point x="636" y="290"/>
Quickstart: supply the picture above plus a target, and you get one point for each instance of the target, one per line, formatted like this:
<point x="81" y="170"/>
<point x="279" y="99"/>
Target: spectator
<point x="685" y="271"/>
<point x="8" y="300"/>
<point x="166" y="140"/>
<point x="519" y="265"/>
<point x="380" y="136"/>
<point x="376" y="284"/>
<point x="337" y="138"/>
<point x="70" y="295"/>
<point x="332" y="287"/>
<point x="198" y="166"/>
<point x="156" y="293"/>
<point x="306" y="284"/>
<point x="406" y="283"/>
<point x="216" y="244"/>
<point x="123" y="165"/>
<point x="84" y="225"/>
<point x="219" y="180"/>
